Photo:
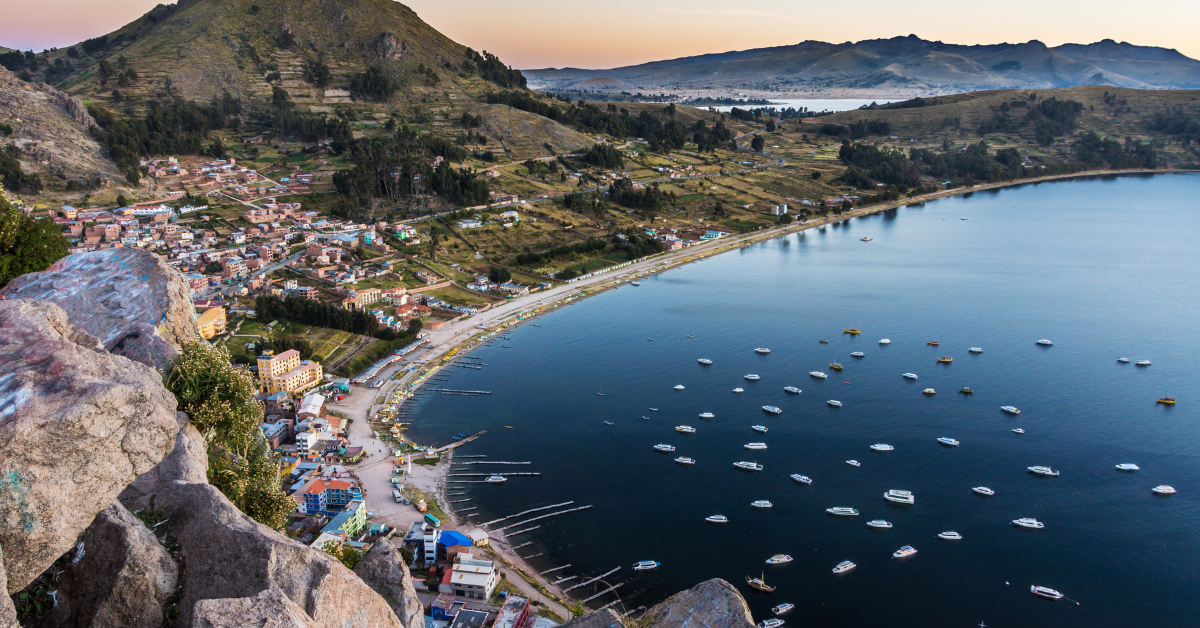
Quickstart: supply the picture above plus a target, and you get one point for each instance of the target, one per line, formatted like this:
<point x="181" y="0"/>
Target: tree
<point x="816" y="174"/>
<point x="216" y="149"/>
<point x="122" y="201"/>
<point x="499" y="274"/>
<point x="433" y="242"/>
<point x="770" y="125"/>
<point x="414" y="327"/>
<point x="345" y="553"/>
<point x="26" y="245"/>
<point x="757" y="144"/>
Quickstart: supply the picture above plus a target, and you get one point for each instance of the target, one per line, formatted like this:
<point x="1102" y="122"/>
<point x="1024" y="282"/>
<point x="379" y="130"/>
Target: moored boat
<point x="929" y="391"/>
<point x="853" y="331"/>
<point x="900" y="497"/>
<point x="1170" y="401"/>
<point x="664" y="448"/>
<point x="792" y="390"/>
<point x="685" y="429"/>
<point x="1123" y="360"/>
<point x="762" y="350"/>
<point x="835" y="403"/>
<point x="1045" y="592"/>
<point x="857" y="354"/>
<point x="684" y="460"/>
<point x="983" y="490"/>
<point x="1011" y="409"/>
<point x="1045" y="343"/>
<point x="717" y="519"/>
<point x="842" y="511"/>
<point x="772" y="410"/>
<point x="1044" y="471"/>
<point x="907" y="551"/>
<point x="759" y="428"/>
<point x="707" y="415"/>
<point x="645" y="565"/>
<point x="770" y="623"/>
<point x="950" y="536"/>
<point x="705" y="361"/>
<point x="1142" y="363"/>
<point x="818" y="374"/>
<point x="496" y="479"/>
<point x="748" y="466"/>
<point x="755" y="446"/>
<point x="678" y="386"/>
<point x="975" y="350"/>
<point x="1029" y="522"/>
<point x="885" y="341"/>
<point x="835" y="366"/>
<point x="966" y="390"/>
<point x="864" y="239"/>
<point x="945" y="360"/>
<point x="854" y="463"/>
<point x="947" y="441"/>
<point x="1018" y="430"/>
<point x="844" y="567"/>
<point x="879" y="523"/>
<point x="803" y="479"/>
<point x="751" y="377"/>
<point x="761" y="503"/>
<point x="1163" y="489"/>
<point x="910" y="376"/>
<point x="779" y="559"/>
<point x="1127" y="466"/>
<point x="739" y="390"/>
<point x="882" y="447"/>
<point x="781" y="609"/>
<point x="932" y="343"/>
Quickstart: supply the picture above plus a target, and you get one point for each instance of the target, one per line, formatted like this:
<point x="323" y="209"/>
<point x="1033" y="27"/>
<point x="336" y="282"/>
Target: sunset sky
<point x="557" y="33"/>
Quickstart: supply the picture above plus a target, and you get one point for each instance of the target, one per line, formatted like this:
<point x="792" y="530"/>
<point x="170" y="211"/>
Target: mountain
<point x="907" y="64"/>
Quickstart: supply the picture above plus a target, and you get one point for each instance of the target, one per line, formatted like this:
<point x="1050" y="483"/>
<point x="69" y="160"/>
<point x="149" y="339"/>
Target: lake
<point x="1105" y="267"/>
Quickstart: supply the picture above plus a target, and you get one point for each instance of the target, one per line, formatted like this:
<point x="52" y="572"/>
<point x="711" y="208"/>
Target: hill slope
<point x="907" y="63"/>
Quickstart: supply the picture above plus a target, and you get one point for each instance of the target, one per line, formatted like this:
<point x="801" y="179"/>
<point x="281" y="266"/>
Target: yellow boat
<point x="835" y="366"/>
<point x="946" y="360"/>
<point x="759" y="583"/>
<point x="929" y="391"/>
<point x="508" y="427"/>
<point x="933" y="343"/>
<point x="1170" y="401"/>
<point x="852" y="330"/>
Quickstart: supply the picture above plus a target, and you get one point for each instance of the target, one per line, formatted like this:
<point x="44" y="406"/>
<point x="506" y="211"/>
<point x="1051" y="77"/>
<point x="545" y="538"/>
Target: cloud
<point x="725" y="12"/>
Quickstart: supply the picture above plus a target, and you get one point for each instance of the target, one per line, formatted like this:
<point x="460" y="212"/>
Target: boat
<point x="678" y="386"/>
<point x="966" y="390"/>
<point x="1142" y="363"/>
<point x="646" y="418"/>
<point x="1018" y="431"/>
<point x="654" y="409"/>
<point x="1123" y="360"/>
<point x="748" y="466"/>
<point x="854" y="463"/>
<point x="600" y="393"/>
<point x="635" y="283"/>
<point x="835" y="366"/>
<point x="803" y="479"/>
<point x="1011" y="409"/>
<point x="885" y="341"/>
<point x="1127" y="466"/>
<point x="717" y="519"/>
<point x="685" y="460"/>
<point x="496" y="479"/>
<point x="1028" y="522"/>
<point x="945" y="360"/>
<point x="685" y="429"/>
<point x="770" y="623"/>
<point x="818" y="374"/>
<point x="929" y="391"/>
<point x="900" y="497"/>
<point x="857" y="354"/>
<point x="707" y="415"/>
<point x="792" y="390"/>
<point x="751" y="377"/>
<point x="739" y="390"/>
<point x="783" y="608"/>
<point x="664" y="447"/>
<point x="772" y="410"/>
<point x="879" y="523"/>
<point x="759" y="584"/>
<point x="779" y="559"/>
<point x="882" y="447"/>
<point x="824" y="342"/>
<point x="1170" y="401"/>
<point x="950" y="535"/>
<point x="853" y="330"/>
<point x="762" y="350"/>
<point x="864" y="239"/>
<point x="759" y="428"/>
<point x="910" y="375"/>
<point x="983" y="490"/>
<point x="705" y="361"/>
<point x="755" y="446"/>
<point x="844" y="567"/>
<point x="842" y="511"/>
<point x="650" y="340"/>
<point x="974" y="350"/>
<point x="606" y="423"/>
<point x="1045" y="592"/>
<point x="508" y="427"/>
<point x="1040" y="470"/>
<point x="1163" y="489"/>
<point x="835" y="403"/>
<point x="1045" y="343"/>
<point x="761" y="503"/>
<point x="904" y="552"/>
<point x="949" y="442"/>
<point x="932" y="343"/>
<point x="645" y="565"/>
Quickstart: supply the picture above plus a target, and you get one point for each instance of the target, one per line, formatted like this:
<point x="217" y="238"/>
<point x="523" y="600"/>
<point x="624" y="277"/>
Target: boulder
<point x="8" y="612"/>
<point x="269" y="609"/>
<point x="187" y="463"/>
<point x="229" y="555"/>
<point x="384" y="571"/>
<point x="120" y="576"/>
<point x="607" y="618"/>
<point x="711" y="603"/>
<point x="77" y="425"/>
<point x="130" y="299"/>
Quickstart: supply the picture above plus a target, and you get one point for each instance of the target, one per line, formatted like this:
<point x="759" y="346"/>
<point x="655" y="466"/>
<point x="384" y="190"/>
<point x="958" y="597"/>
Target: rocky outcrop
<point x="120" y="576"/>
<point x="77" y="425"/>
<point x="388" y="46"/>
<point x="130" y="299"/>
<point x="269" y="609"/>
<point x="8" y="613"/>
<point x="384" y="571"/>
<point x="187" y="463"/>
<point x="711" y="604"/>
<point x="607" y="618"/>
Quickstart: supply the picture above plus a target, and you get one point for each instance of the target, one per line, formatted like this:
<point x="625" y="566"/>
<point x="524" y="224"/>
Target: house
<point x="330" y="497"/>
<point x="472" y="578"/>
<point x="312" y="407"/>
<point x="211" y="322"/>
<point x="349" y="522"/>
<point x="470" y="619"/>
<point x="513" y="614"/>
<point x="514" y="289"/>
<point x="510" y="215"/>
<point x="713" y="235"/>
<point x="468" y="224"/>
<point x="779" y="210"/>
<point x="452" y="543"/>
<point x="286" y="372"/>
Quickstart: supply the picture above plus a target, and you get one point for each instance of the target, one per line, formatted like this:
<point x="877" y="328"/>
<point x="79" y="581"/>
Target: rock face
<point x="606" y="618"/>
<point x="8" y="613"/>
<point x="269" y="609"/>
<point x="187" y="463"/>
<point x="77" y="425"/>
<point x="130" y="299"/>
<point x="384" y="571"/>
<point x="711" y="604"/>
<point x="120" y="578"/>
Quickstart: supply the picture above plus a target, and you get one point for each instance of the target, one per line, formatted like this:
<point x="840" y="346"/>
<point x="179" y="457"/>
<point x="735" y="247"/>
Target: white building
<point x="510" y="215"/>
<point x="779" y="210"/>
<point x="473" y="578"/>
<point x="468" y="224"/>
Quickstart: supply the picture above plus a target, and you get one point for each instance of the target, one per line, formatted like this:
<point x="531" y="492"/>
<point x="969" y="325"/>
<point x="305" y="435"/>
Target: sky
<point x="532" y="34"/>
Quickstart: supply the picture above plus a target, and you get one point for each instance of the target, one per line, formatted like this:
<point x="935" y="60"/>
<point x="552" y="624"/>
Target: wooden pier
<point x="608" y="590"/>
<point x="542" y="573"/>
<point x="553" y="514"/>
<point x="522" y="531"/>
<point x="599" y="577"/>
<point x="525" y="512"/>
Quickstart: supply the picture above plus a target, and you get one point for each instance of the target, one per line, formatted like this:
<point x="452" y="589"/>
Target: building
<point x="211" y="322"/>
<point x="473" y="578"/>
<point x="287" y="373"/>
<point x="513" y="614"/>
<point x="330" y="497"/>
<point x="349" y="522"/>
<point x="779" y="210"/>
<point x="468" y="224"/>
<point x="312" y="407"/>
<point x="451" y="544"/>
<point x="470" y="619"/>
<point x="429" y="541"/>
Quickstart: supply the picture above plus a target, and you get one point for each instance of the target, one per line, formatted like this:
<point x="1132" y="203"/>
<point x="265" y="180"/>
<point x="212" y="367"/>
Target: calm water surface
<point x="1104" y="267"/>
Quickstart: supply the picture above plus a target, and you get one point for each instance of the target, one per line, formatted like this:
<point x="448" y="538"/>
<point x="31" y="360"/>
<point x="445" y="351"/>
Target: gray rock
<point x="384" y="571"/>
<point x="120" y="576"/>
<point x="77" y="425"/>
<point x="606" y="618"/>
<point x="269" y="609"/>
<point x="8" y="613"/>
<point x="712" y="604"/>
<point x="229" y="555"/>
<point x="187" y="463"/>
<point x="130" y="299"/>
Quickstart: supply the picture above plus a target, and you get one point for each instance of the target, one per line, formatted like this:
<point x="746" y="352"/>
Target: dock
<point x="459" y="443"/>
<point x="468" y="393"/>
<point x="485" y="475"/>
<point x="608" y="590"/>
<point x="494" y="462"/>
<point x="561" y="580"/>
<point x="522" y="531"/>
<point x="553" y="514"/>
<point x="599" y="577"/>
<point x="525" y="512"/>
<point x="542" y="573"/>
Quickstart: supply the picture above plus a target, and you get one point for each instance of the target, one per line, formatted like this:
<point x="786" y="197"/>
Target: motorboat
<point x="945" y="360"/>
<point x="983" y="490"/>
<point x="751" y="377"/>
<point x="974" y="350"/>
<point x="857" y="354"/>
<point x="748" y="466"/>
<point x="678" y="386"/>
<point x="654" y="409"/>
<point x="949" y="442"/>
<point x="739" y="390"/>
<point x="761" y="503"/>
<point x="717" y="519"/>
<point x="635" y="283"/>
<point x="685" y="429"/>
<point x="1163" y="489"/>
<point x="645" y="565"/>
<point x="684" y="460"/>
<point x="818" y="374"/>
<point x="782" y="609"/>
<point x="835" y="403"/>
<point x="864" y="239"/>
<point x="772" y="410"/>
<point x="755" y="446"/>
<point x="770" y="623"/>
<point x="966" y="390"/>
<point x="950" y="536"/>
<point x="929" y="391"/>
<point x="759" y="584"/>
<point x="1127" y="466"/>
<point x="779" y="559"/>
<point x="904" y="552"/>
<point x="664" y="447"/>
<point x="1142" y="363"/>
<point x="1011" y="409"/>
<point x="606" y="423"/>
<point x="705" y="361"/>
<point x="1018" y="430"/>
<point x="853" y="331"/>
<point x="910" y="376"/>
<point x="707" y="415"/>
<point x="879" y="523"/>
<point x="835" y="366"/>
<point x="646" y="417"/>
<point x="496" y="479"/>
<point x="854" y="463"/>
<point x="882" y="447"/>
<point x="759" y="428"/>
<point x="932" y="343"/>
<point x="792" y="390"/>
<point x="885" y="341"/>
<point x="842" y="511"/>
<point x="762" y="350"/>
<point x="1045" y="592"/>
<point x="1170" y="401"/>
<point x="824" y="342"/>
<point x="1040" y="470"/>
<point x="1045" y="343"/>
<point x="900" y="497"/>
<point x="803" y="479"/>
<point x="1123" y="360"/>
<point x="1028" y="522"/>
<point x="844" y="567"/>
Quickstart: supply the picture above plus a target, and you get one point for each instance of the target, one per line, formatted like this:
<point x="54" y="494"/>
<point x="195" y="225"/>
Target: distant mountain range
<point x="907" y="64"/>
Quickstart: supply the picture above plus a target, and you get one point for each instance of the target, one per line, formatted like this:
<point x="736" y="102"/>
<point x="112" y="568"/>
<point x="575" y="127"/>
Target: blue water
<point x="1104" y="267"/>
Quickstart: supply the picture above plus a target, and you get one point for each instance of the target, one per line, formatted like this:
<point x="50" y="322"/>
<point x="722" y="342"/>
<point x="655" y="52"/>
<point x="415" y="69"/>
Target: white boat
<point x="1046" y="592"/>
<point x="974" y="350"/>
<point x="685" y="429"/>
<point x="882" y="447"/>
<point x="1127" y="466"/>
<point x="772" y="410"/>
<point x="739" y="390"/>
<point x="929" y="391"/>
<point x="818" y="374"/>
<point x="792" y="390"/>
<point x="879" y="523"/>
<point x="781" y="609"/>
<point x="762" y="350"/>
<point x="949" y="442"/>
<point x="748" y="466"/>
<point x="803" y="479"/>
<point x="755" y="446"/>
<point x="1163" y="489"/>
<point x="983" y="490"/>
<point x="950" y="536"/>
<point x="1045" y="343"/>
<point x="685" y="460"/>
<point x="646" y="418"/>
<point x="678" y="386"/>
<point x="717" y="519"/>
<point x="751" y="377"/>
<point x="853" y="463"/>
<point x="635" y="283"/>
<point x="496" y="479"/>
<point x="1018" y="431"/>
<point x="885" y="341"/>
<point x="1040" y="470"/>
<point x="609" y="423"/>
<point x="1142" y="363"/>
<point x="770" y="623"/>
<point x="904" y="552"/>
<point x="1010" y="409"/>
<point x="664" y="447"/>
<point x="910" y="375"/>
<point x="645" y="565"/>
<point x="779" y="559"/>
<point x="835" y="403"/>
<point x="857" y="354"/>
<point x="842" y="511"/>
<point x="705" y="361"/>
<point x="900" y="497"/>
<point x="1123" y="360"/>
<point x="844" y="567"/>
<point x="707" y="415"/>
<point x="1028" y="522"/>
<point x="759" y="428"/>
<point x="762" y="503"/>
